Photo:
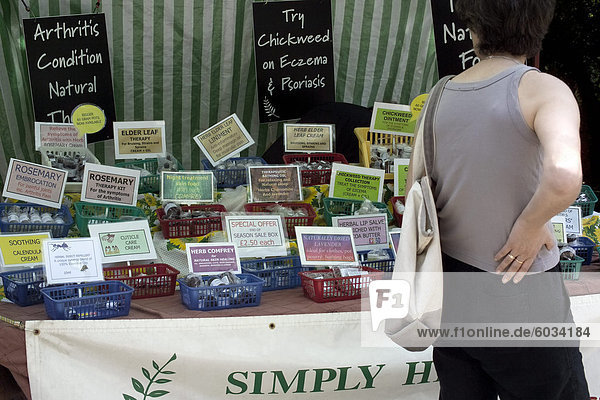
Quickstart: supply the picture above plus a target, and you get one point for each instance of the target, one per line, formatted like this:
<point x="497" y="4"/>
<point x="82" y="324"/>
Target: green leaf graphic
<point x="128" y="397"/>
<point x="137" y="386"/>
<point x="173" y="358"/>
<point x="157" y="393"/>
<point x="167" y="372"/>
<point x="155" y="365"/>
<point x="146" y="373"/>
<point x="162" y="381"/>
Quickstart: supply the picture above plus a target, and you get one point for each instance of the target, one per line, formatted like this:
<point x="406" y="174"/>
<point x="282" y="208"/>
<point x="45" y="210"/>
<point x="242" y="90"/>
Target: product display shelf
<point x="397" y="216"/>
<point x="312" y="177"/>
<point x="151" y="171"/>
<point x="385" y="264"/>
<point x="366" y="139"/>
<point x="57" y="230"/>
<point x="322" y="286"/>
<point x="587" y="207"/>
<point x="95" y="300"/>
<point x="190" y="227"/>
<point x="290" y="222"/>
<point x="276" y="272"/>
<point x="232" y="177"/>
<point x="22" y="287"/>
<point x="96" y="213"/>
<point x="335" y="207"/>
<point x="570" y="268"/>
<point x="206" y="298"/>
<point x="46" y="152"/>
<point x="584" y="248"/>
<point x="148" y="280"/>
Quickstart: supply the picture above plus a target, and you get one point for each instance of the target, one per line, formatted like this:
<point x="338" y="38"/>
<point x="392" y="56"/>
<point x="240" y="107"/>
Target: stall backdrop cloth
<point x="191" y="63"/>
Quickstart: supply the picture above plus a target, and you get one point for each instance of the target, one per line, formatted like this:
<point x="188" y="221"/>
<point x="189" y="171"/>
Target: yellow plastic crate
<point x="366" y="139"/>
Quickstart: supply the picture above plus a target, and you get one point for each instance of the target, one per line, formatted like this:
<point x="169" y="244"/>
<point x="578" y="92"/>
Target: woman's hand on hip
<point x="520" y="250"/>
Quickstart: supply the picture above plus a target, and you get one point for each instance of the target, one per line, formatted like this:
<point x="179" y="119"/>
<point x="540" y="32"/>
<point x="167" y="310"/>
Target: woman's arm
<point x="551" y="110"/>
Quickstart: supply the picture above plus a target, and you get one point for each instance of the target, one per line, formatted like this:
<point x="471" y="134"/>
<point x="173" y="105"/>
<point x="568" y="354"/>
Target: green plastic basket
<point x="94" y="213"/>
<point x="587" y="207"/>
<point x="335" y="207"/>
<point x="570" y="268"/>
<point x="149" y="183"/>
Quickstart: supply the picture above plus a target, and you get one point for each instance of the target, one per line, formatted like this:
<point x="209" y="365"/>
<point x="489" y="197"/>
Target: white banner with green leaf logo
<point x="284" y="356"/>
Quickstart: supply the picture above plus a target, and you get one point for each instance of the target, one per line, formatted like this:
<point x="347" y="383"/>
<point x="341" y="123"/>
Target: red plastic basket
<point x="311" y="177"/>
<point x="323" y="290"/>
<point x="149" y="280"/>
<point x="176" y="228"/>
<point x="397" y="217"/>
<point x="290" y="222"/>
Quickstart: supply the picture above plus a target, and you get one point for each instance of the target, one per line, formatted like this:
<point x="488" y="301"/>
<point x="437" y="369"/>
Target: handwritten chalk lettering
<point x="57" y="90"/>
<point x="291" y="40"/>
<point x="284" y="62"/>
<point x="467" y="58"/>
<point x="62" y="31"/>
<point x="289" y="84"/>
<point x="457" y="35"/>
<point x="77" y="58"/>
<point x="60" y="115"/>
<point x="291" y="16"/>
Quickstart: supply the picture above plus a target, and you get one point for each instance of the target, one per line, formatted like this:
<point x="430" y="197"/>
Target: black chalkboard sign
<point x="69" y="65"/>
<point x="453" y="44"/>
<point x="293" y="43"/>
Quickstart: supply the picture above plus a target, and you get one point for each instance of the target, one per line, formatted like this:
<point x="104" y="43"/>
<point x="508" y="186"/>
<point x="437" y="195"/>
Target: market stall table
<point x="281" y="302"/>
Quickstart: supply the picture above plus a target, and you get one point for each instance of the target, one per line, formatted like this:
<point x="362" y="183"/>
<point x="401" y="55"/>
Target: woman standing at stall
<point x="507" y="159"/>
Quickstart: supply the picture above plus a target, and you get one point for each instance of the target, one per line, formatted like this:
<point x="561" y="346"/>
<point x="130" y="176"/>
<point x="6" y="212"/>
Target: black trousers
<point x="513" y="373"/>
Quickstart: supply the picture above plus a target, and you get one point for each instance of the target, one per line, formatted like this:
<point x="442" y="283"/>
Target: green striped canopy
<point x="191" y="63"/>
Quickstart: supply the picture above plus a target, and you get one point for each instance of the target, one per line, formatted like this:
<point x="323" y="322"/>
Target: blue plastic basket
<point x="206" y="298"/>
<point x="584" y="248"/>
<point x="277" y="272"/>
<point x="22" y="287"/>
<point x="232" y="177"/>
<point x="385" y="265"/>
<point x="95" y="300"/>
<point x="57" y="230"/>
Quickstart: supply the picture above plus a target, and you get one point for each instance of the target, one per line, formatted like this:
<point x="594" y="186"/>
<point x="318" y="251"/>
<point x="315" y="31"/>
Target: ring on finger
<point x="519" y="261"/>
<point x="510" y="256"/>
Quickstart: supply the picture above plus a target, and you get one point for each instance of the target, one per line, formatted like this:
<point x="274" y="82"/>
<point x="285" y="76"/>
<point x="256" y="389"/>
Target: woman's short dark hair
<point x="515" y="27"/>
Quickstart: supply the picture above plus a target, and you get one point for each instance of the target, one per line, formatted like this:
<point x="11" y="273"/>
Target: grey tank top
<point x="487" y="166"/>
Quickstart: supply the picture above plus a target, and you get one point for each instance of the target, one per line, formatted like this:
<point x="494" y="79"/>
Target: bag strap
<point x="428" y="135"/>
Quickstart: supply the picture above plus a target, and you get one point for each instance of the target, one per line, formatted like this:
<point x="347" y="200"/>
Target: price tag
<point x="224" y="140"/>
<point x="212" y="258"/>
<point x="326" y="246"/>
<point x="358" y="183"/>
<point x="308" y="138"/>
<point x="110" y="185"/>
<point x="124" y="241"/>
<point x="140" y="139"/>
<point x="34" y="183"/>
<point x="72" y="260"/>
<point x="370" y="231"/>
<point x="257" y="235"/>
